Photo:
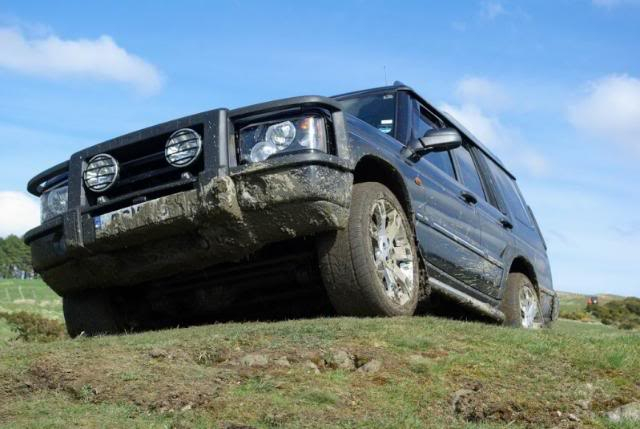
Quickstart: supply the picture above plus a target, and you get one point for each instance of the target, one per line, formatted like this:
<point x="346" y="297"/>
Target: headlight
<point x="183" y="147"/>
<point x="281" y="134"/>
<point x="53" y="203"/>
<point x="101" y="172"/>
<point x="261" y="141"/>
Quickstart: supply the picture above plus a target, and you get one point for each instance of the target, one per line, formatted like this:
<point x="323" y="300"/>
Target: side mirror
<point x="435" y="141"/>
<point x="441" y="140"/>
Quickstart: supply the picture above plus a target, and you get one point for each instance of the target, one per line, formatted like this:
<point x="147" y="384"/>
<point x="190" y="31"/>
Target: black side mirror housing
<point x="435" y="141"/>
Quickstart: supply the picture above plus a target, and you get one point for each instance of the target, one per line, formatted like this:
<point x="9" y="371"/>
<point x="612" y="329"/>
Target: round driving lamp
<point x="101" y="172"/>
<point x="183" y="147"/>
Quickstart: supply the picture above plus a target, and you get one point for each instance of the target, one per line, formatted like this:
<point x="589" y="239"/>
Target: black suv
<point x="375" y="194"/>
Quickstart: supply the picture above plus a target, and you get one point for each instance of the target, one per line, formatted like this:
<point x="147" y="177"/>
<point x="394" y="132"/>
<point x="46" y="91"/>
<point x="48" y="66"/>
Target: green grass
<point x="522" y="377"/>
<point x="192" y="378"/>
<point x="32" y="296"/>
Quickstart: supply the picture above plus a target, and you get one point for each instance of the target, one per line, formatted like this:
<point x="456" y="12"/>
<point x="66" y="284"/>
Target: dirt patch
<point x="170" y="379"/>
<point x="99" y="382"/>
<point x="475" y="403"/>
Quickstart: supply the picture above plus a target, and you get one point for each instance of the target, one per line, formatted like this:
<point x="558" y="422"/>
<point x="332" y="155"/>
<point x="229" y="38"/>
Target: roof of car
<point x="449" y="120"/>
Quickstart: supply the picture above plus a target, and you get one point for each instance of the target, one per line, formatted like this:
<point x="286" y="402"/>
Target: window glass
<point x="378" y="110"/>
<point x="442" y="160"/>
<point x="468" y="172"/>
<point x="510" y="192"/>
<point x="421" y="125"/>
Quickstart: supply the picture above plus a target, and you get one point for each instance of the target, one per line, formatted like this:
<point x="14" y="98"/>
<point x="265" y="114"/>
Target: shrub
<point x="33" y="327"/>
<point x="575" y="315"/>
<point x="625" y="313"/>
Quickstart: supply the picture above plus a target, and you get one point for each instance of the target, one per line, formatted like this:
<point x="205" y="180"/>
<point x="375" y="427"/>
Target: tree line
<point x="15" y="258"/>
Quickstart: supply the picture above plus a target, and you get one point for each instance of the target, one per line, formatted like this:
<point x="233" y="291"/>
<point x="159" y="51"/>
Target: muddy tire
<point x="371" y="267"/>
<point x="91" y="312"/>
<point x="520" y="303"/>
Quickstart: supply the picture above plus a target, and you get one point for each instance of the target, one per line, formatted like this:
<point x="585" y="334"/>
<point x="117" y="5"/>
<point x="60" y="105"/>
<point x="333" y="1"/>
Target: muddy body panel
<point x="222" y="219"/>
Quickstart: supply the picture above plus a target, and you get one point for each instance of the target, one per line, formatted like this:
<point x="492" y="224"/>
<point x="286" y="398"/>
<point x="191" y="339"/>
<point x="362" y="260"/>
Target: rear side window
<point x="511" y="193"/>
<point x="468" y="171"/>
<point x="442" y="160"/>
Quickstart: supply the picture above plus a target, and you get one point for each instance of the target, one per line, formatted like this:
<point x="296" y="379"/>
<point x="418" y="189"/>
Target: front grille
<point x="145" y="173"/>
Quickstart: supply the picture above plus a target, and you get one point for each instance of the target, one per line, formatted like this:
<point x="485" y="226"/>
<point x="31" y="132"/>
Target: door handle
<point x="506" y="224"/>
<point x="468" y="197"/>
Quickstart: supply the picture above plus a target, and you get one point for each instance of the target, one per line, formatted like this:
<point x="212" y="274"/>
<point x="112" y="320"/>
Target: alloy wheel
<point x="392" y="252"/>
<point x="529" y="308"/>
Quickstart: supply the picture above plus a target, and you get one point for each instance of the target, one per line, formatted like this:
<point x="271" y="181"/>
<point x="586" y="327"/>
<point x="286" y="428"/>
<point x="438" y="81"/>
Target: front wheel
<point x="520" y="303"/>
<point x="371" y="267"/>
<point x="90" y="313"/>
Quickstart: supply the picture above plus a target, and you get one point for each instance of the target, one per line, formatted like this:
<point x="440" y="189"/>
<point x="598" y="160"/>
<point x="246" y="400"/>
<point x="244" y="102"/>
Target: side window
<point x="511" y="193"/>
<point x="468" y="172"/>
<point x="421" y="124"/>
<point x="442" y="160"/>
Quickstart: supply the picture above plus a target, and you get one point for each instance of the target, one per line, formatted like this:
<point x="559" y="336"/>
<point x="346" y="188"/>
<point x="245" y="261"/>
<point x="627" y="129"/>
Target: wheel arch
<point x="521" y="265"/>
<point x="371" y="168"/>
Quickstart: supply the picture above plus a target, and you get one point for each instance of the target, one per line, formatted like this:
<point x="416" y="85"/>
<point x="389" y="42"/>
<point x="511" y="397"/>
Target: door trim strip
<point x="466" y="300"/>
<point x="441" y="229"/>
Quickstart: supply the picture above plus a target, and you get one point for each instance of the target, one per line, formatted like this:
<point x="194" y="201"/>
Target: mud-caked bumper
<point x="221" y="219"/>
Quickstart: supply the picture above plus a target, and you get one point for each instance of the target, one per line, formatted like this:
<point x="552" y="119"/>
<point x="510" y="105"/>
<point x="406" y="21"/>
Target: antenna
<point x="385" y="75"/>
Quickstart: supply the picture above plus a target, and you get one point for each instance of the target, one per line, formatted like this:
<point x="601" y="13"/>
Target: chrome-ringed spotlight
<point x="183" y="147"/>
<point x="101" y="173"/>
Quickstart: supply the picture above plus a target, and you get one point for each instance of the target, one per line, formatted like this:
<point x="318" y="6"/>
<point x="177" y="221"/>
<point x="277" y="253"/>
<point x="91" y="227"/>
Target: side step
<point x="466" y="300"/>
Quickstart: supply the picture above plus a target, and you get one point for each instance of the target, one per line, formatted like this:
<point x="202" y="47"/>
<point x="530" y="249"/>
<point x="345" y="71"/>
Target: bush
<point x="580" y="315"/>
<point x="33" y="327"/>
<point x="625" y="314"/>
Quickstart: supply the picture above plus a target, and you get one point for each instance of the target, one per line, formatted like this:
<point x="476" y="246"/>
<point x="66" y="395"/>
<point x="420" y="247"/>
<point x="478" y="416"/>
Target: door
<point x="447" y="216"/>
<point x="496" y="239"/>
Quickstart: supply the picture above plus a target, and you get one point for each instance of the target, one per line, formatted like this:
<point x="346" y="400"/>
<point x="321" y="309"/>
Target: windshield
<point x="378" y="110"/>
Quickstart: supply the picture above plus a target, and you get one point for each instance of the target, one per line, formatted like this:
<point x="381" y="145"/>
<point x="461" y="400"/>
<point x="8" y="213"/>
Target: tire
<point x="521" y="292"/>
<point x="348" y="262"/>
<point x="90" y="312"/>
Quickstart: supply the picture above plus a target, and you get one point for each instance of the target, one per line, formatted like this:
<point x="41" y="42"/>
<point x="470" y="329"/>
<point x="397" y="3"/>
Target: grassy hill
<point x="32" y="296"/>
<point x="572" y="302"/>
<point x="341" y="372"/>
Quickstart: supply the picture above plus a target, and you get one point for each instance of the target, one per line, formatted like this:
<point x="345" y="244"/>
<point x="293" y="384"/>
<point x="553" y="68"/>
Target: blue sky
<point x="553" y="87"/>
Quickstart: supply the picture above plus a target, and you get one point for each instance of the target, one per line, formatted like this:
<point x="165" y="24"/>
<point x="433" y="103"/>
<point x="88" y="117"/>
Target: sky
<point x="552" y="87"/>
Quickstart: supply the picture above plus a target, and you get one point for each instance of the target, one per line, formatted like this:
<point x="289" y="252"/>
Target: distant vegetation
<point x="33" y="327"/>
<point x="624" y="314"/>
<point x="15" y="257"/>
<point x="613" y="310"/>
<point x="38" y="305"/>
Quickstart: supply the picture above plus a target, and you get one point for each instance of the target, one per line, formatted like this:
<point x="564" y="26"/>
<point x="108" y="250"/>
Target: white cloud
<point x="588" y="255"/>
<point x="18" y="213"/>
<point x="52" y="57"/>
<point x="488" y="129"/>
<point x="610" y="110"/>
<point x="506" y="142"/>
<point x="491" y="9"/>
<point x="482" y="92"/>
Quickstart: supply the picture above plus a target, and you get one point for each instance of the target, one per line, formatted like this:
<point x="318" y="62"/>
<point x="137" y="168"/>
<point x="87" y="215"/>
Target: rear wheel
<point x="371" y="267"/>
<point x="90" y="312"/>
<point x="520" y="303"/>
